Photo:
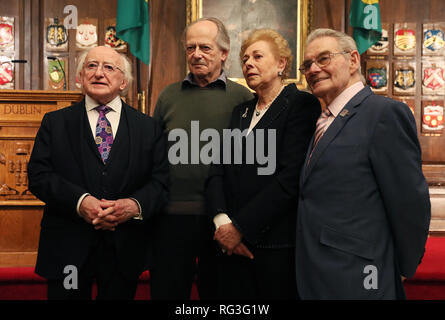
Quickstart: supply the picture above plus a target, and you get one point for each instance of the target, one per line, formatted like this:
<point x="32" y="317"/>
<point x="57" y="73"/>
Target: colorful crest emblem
<point x="433" y="78"/>
<point x="382" y="44"/>
<point x="404" y="78"/>
<point x="56" y="34"/>
<point x="55" y="74"/>
<point x="432" y="117"/>
<point x="433" y="39"/>
<point x="6" y="75"/>
<point x="6" y="34"/>
<point x="377" y="77"/>
<point x="111" y="40"/>
<point x="405" y="39"/>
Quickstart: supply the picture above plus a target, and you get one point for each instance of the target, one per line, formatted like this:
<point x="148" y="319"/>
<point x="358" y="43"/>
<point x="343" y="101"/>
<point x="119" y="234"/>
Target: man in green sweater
<point x="205" y="99"/>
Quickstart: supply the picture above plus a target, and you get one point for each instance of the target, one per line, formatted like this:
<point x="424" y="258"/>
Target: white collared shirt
<point x="341" y="100"/>
<point x="113" y="115"/>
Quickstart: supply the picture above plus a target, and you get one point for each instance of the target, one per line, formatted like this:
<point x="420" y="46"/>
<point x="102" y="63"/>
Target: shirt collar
<point x="343" y="98"/>
<point x="115" y="104"/>
<point x="222" y="80"/>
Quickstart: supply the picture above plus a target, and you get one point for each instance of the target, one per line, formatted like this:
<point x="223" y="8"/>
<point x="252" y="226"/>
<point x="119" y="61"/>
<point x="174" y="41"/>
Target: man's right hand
<point x="89" y="210"/>
<point x="242" y="250"/>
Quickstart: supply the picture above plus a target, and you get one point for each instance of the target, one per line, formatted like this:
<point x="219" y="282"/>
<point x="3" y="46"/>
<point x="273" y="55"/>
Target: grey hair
<point x="222" y="37"/>
<point x="126" y="69"/>
<point x="345" y="42"/>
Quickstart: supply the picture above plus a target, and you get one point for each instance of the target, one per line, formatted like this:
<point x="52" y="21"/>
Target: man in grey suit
<point x="364" y="208"/>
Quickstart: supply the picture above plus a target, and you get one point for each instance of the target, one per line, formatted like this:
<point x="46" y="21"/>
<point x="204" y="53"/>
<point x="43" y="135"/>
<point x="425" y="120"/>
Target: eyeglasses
<point x="108" y="68"/>
<point x="321" y="61"/>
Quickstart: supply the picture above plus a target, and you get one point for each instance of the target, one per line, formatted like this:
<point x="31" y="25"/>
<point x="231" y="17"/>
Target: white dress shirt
<point x="341" y="100"/>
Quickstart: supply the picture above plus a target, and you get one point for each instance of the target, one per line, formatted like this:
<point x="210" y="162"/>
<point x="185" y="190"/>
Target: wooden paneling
<point x="20" y="229"/>
<point x="21" y="112"/>
<point x="328" y="14"/>
<point x="168" y="56"/>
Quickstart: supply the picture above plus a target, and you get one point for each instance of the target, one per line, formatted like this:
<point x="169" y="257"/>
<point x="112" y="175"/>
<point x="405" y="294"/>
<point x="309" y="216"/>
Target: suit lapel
<point x="129" y="134"/>
<point x="89" y="139"/>
<point x="74" y="121"/>
<point x="79" y="135"/>
<point x="276" y="108"/>
<point x="347" y="113"/>
<point x="79" y="130"/>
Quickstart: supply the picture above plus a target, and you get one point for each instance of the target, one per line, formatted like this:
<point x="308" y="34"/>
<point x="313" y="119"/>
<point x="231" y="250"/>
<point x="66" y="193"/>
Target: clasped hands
<point x="107" y="214"/>
<point x="229" y="239"/>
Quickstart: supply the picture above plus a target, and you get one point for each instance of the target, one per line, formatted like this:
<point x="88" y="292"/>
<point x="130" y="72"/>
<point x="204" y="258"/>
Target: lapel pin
<point x="344" y="113"/>
<point x="245" y="113"/>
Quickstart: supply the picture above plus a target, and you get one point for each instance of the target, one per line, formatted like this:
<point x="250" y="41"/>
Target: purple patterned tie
<point x="104" y="134"/>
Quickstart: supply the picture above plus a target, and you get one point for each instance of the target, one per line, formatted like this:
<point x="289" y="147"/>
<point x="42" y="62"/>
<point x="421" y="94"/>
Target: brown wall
<point x="332" y="13"/>
<point x="168" y="56"/>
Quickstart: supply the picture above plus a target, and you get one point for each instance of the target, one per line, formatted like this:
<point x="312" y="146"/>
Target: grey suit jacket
<point x="363" y="205"/>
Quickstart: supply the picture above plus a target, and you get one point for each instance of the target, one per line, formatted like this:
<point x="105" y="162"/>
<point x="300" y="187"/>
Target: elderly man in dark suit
<point x="101" y="168"/>
<point x="364" y="208"/>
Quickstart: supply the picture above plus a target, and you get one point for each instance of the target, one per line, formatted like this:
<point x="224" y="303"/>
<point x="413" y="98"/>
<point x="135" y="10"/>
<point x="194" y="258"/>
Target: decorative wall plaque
<point x="54" y="76"/>
<point x="404" y="77"/>
<point x="432" y="116"/>
<point x="405" y="38"/>
<point x="377" y="75"/>
<point x="56" y="35"/>
<point x="110" y="38"/>
<point x="6" y="73"/>
<point x="433" y="77"/>
<point x="433" y="39"/>
<point x="86" y="33"/>
<point x="7" y="33"/>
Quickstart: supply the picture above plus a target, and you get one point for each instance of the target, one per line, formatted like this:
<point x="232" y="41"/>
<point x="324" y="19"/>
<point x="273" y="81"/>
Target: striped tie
<point x="322" y="124"/>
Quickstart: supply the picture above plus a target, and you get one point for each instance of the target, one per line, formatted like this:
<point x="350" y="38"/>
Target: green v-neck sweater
<point x="194" y="109"/>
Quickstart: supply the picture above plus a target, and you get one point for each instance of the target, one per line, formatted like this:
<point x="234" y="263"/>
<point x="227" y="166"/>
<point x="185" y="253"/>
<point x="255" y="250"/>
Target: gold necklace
<point x="258" y="112"/>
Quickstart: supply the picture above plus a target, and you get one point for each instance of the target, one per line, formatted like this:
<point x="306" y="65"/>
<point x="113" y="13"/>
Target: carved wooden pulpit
<point x="21" y="113"/>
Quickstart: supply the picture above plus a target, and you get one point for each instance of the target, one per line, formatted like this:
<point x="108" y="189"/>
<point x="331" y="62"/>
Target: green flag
<point x="132" y="26"/>
<point x="364" y="17"/>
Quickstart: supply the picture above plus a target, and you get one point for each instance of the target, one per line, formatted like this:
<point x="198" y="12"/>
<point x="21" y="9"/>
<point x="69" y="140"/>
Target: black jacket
<point x="65" y="164"/>
<point x="264" y="207"/>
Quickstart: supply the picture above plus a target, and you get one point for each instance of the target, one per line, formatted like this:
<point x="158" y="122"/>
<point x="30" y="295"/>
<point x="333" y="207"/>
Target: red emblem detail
<point x="433" y="78"/>
<point x="433" y="117"/>
<point x="5" y="73"/>
<point x="405" y="32"/>
<point x="6" y="35"/>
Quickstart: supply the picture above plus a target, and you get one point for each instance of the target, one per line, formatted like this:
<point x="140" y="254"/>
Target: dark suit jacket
<point x="363" y="202"/>
<point x="65" y="164"/>
<point x="263" y="207"/>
